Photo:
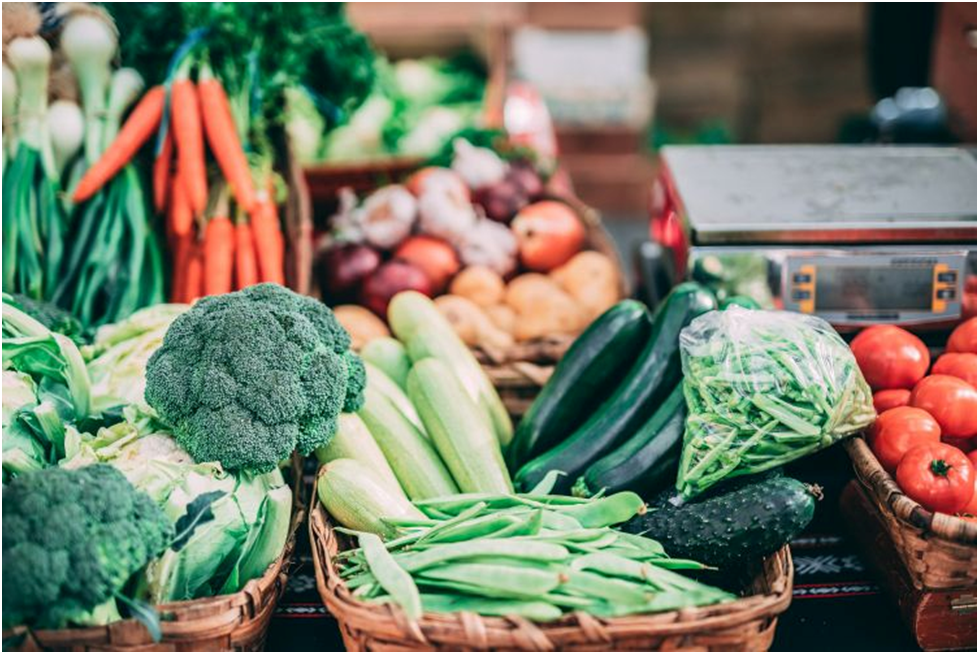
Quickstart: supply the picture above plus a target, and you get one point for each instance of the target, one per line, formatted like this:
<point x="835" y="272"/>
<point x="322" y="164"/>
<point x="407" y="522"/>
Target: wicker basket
<point x="938" y="550"/>
<point x="746" y="624"/>
<point x="227" y="623"/>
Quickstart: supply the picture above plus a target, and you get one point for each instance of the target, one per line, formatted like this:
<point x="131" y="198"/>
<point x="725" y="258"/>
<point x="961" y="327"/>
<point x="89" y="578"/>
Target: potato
<point x="471" y="324"/>
<point x="479" y="285"/>
<point x="592" y="280"/>
<point x="362" y="324"/>
<point x="503" y="316"/>
<point x="523" y="292"/>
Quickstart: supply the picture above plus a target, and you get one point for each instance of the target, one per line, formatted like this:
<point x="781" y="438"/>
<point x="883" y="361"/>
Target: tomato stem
<point x="940" y="467"/>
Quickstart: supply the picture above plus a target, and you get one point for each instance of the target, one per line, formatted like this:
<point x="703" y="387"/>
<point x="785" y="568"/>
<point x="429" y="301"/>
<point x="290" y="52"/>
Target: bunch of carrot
<point x="217" y="246"/>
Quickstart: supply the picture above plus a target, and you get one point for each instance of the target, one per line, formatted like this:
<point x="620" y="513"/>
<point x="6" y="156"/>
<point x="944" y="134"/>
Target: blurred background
<point x="620" y="80"/>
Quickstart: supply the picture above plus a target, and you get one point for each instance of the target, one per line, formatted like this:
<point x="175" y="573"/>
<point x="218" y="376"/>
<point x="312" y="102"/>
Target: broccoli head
<point x="246" y="378"/>
<point x="71" y="540"/>
<point x="51" y="316"/>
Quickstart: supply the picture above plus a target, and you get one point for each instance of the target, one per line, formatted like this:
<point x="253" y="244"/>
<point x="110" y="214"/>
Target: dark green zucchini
<point x="647" y="462"/>
<point x="645" y="385"/>
<point x="738" y="523"/>
<point x="579" y="383"/>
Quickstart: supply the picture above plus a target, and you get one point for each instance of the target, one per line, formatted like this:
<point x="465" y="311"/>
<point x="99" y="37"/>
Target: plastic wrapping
<point x="764" y="388"/>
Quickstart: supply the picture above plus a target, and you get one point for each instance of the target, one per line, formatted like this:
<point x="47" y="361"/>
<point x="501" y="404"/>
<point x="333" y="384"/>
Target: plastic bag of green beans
<point x="764" y="388"/>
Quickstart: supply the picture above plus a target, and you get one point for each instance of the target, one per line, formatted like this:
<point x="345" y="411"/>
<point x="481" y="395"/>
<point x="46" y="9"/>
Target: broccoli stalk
<point x="246" y="378"/>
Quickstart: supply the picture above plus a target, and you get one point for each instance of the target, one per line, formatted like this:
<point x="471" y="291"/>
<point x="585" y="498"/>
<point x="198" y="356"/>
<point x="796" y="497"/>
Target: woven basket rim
<point x="908" y="512"/>
<point x="200" y="611"/>
<point x="777" y="569"/>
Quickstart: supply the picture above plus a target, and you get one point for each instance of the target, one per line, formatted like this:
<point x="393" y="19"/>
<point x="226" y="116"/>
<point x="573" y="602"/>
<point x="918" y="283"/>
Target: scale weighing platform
<point x="855" y="234"/>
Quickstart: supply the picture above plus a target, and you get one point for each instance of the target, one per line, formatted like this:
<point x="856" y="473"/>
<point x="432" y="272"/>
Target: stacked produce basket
<point x="744" y="625"/>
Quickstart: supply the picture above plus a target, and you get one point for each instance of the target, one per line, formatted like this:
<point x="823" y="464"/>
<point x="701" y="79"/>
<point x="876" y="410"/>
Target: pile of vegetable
<point x="414" y="109"/>
<point x="764" y="388"/>
<point x="925" y="433"/>
<point x="46" y="385"/>
<point x="87" y="246"/>
<point x="95" y="254"/>
<point x="419" y="479"/>
<point x="534" y="555"/>
<point x="201" y="501"/>
<point x="431" y="424"/>
<point x="510" y="263"/>
<point x="217" y="124"/>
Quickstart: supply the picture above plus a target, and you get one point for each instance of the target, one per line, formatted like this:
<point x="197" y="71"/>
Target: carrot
<point x="268" y="241"/>
<point x="182" y="250"/>
<point x="161" y="173"/>
<point x="142" y="122"/>
<point x="222" y="137"/>
<point x="189" y="138"/>
<point x="246" y="268"/>
<point x="181" y="214"/>
<point x="194" y="277"/>
<point x="219" y="252"/>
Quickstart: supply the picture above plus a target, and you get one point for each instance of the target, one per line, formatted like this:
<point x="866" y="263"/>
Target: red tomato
<point x="957" y="364"/>
<point x="937" y="476"/>
<point x="963" y="339"/>
<point x="890" y="398"/>
<point x="900" y="429"/>
<point x="548" y="233"/>
<point x="972" y="457"/>
<point x="951" y="401"/>
<point x="432" y="256"/>
<point x="890" y="357"/>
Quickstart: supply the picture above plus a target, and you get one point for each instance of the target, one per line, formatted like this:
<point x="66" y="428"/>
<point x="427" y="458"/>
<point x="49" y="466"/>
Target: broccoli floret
<point x="246" y="378"/>
<point x="71" y="540"/>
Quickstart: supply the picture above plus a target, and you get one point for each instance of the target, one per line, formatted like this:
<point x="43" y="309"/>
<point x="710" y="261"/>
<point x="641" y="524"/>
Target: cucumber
<point x="579" y="383"/>
<point x="411" y="456"/>
<point x="376" y="378"/>
<point x="357" y="499"/>
<point x="353" y="440"/>
<point x="647" y="462"/>
<point x="733" y="526"/>
<point x="653" y="376"/>
<point x="462" y="438"/>
<point x="418" y="323"/>
<point x="389" y="356"/>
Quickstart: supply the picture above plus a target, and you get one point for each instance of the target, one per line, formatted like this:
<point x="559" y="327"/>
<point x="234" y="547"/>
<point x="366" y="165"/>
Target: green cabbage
<point x="251" y="513"/>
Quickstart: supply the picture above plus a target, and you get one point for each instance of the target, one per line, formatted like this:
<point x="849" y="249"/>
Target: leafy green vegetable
<point x="258" y="50"/>
<point x="764" y="388"/>
<point x="51" y="316"/>
<point x="246" y="378"/>
<point x="228" y="528"/>
<point x="48" y="387"/>
<point x="71" y="540"/>
<point x="119" y="353"/>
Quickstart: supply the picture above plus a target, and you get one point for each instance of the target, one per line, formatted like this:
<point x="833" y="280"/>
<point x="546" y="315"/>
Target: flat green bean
<point x="484" y="547"/>
<point x="517" y="579"/>
<point x="607" y="511"/>
<point x="391" y="576"/>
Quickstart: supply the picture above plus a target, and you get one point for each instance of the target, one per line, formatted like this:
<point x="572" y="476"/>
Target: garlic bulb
<point x="387" y="216"/>
<point x="445" y="216"/>
<point x="479" y="167"/>
<point x="490" y="244"/>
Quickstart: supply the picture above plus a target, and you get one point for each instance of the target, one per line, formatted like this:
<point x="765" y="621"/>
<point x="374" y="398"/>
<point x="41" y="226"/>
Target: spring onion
<point x="90" y="43"/>
<point x="66" y="125"/>
<point x="31" y="59"/>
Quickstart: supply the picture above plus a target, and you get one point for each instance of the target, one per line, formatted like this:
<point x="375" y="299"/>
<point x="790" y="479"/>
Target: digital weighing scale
<point x="855" y="234"/>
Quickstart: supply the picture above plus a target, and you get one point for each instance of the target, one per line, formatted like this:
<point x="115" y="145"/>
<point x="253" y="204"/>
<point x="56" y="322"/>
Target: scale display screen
<point x="869" y="288"/>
